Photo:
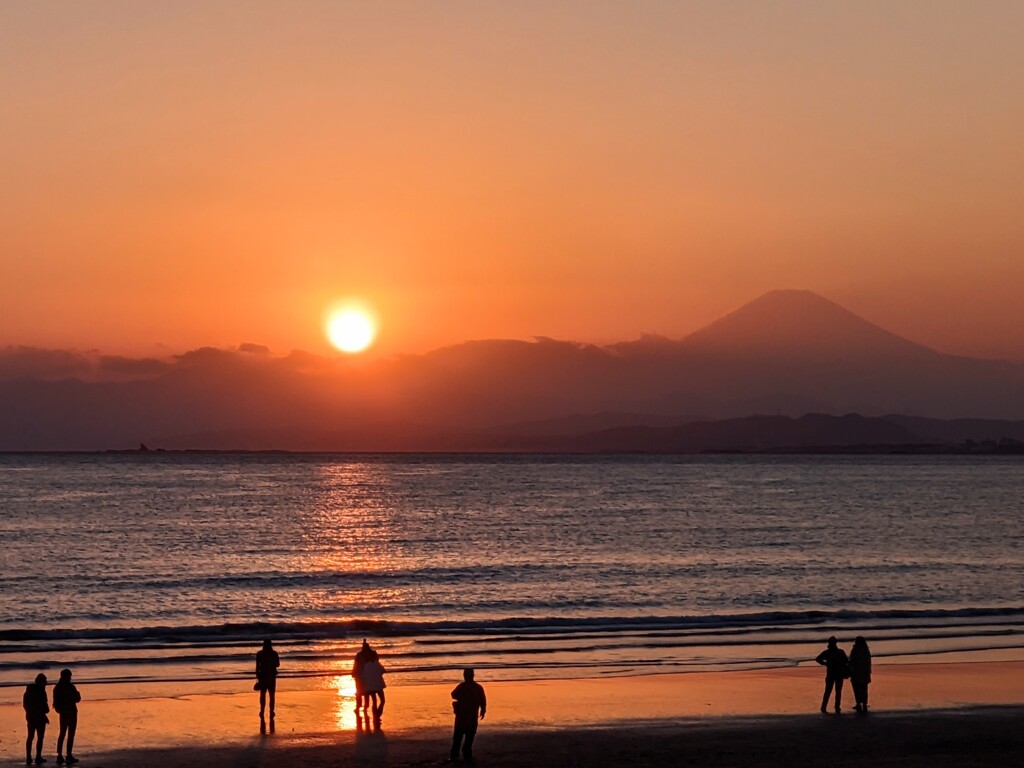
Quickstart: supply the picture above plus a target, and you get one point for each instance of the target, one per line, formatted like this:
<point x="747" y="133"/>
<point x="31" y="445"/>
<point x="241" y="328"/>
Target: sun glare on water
<point x="351" y="328"/>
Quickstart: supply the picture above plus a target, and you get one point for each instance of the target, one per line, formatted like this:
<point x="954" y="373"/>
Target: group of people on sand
<point x="469" y="702"/>
<point x="37" y="710"/>
<point x="838" y="667"/>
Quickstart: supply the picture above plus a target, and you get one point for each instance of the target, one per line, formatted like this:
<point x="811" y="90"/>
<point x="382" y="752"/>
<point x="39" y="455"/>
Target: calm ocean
<point x="161" y="568"/>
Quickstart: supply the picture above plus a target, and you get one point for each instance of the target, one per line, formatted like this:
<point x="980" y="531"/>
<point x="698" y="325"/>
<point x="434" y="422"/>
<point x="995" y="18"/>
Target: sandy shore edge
<point x="533" y="722"/>
<point x="936" y="738"/>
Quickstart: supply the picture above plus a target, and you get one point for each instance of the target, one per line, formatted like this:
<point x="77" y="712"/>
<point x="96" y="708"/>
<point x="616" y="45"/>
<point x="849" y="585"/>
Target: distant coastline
<point x="808" y="434"/>
<point x="626" y="441"/>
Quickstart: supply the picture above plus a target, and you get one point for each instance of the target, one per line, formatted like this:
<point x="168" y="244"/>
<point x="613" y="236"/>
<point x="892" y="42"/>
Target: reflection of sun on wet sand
<point x="944" y="711"/>
<point x="345" y="702"/>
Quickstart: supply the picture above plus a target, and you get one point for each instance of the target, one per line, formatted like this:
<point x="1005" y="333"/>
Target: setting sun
<point x="351" y="328"/>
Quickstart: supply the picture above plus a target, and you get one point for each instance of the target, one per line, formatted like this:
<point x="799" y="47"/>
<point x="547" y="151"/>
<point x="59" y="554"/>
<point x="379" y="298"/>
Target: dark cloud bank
<point x="787" y="354"/>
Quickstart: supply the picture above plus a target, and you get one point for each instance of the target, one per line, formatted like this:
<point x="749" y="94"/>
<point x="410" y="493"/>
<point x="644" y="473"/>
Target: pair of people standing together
<point x="65" y="704"/>
<point x="368" y="674"/>
<point x="839" y="666"/>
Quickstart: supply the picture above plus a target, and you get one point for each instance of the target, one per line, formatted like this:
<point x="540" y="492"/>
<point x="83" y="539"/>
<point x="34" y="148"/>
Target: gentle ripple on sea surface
<point x="94" y="545"/>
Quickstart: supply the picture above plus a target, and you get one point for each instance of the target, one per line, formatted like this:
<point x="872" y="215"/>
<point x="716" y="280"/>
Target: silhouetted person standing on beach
<point x="364" y="655"/>
<point x="65" y="704"/>
<point x="860" y="672"/>
<point x="372" y="675"/>
<point x="837" y="669"/>
<point x="36" y="708"/>
<point x="470" y="706"/>
<point x="267" y="662"/>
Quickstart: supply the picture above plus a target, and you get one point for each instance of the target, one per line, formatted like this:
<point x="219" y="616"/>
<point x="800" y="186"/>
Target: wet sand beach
<point x="937" y="739"/>
<point x="935" y="714"/>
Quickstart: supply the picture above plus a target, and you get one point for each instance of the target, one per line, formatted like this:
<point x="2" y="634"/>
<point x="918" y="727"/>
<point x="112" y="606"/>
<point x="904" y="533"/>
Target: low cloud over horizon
<point x="789" y="352"/>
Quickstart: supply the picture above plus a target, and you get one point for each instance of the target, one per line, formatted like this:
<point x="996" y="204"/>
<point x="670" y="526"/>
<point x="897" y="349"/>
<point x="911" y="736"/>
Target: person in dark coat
<point x="470" y="706"/>
<point x="365" y="654"/>
<point x="837" y="669"/>
<point x="65" y="704"/>
<point x="36" y="708"/>
<point x="860" y="672"/>
<point x="267" y="662"/>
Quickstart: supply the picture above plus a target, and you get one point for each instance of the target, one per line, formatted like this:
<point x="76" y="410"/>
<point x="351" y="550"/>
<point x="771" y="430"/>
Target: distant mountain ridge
<point x="787" y="353"/>
<point x="799" y="324"/>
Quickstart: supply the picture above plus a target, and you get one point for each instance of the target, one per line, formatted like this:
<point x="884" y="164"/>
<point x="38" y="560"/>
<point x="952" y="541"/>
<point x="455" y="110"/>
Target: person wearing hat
<point x="36" y="709"/>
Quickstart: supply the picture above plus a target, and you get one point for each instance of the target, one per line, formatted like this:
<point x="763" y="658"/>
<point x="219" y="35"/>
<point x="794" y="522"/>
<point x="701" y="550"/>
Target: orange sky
<point x="182" y="175"/>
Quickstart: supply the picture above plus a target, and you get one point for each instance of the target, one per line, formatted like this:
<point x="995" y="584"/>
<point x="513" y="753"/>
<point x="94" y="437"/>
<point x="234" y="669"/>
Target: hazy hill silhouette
<point x="750" y="433"/>
<point x="787" y="353"/>
<point x="802" y="326"/>
<point x="795" y="352"/>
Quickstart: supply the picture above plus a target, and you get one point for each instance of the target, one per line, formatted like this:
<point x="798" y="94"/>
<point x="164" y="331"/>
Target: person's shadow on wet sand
<point x="371" y="746"/>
